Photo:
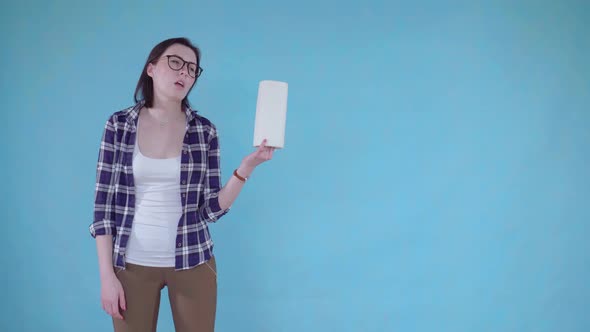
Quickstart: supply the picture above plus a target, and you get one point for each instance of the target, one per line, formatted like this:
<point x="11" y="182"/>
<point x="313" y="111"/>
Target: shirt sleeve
<point x="104" y="198"/>
<point x="210" y="210"/>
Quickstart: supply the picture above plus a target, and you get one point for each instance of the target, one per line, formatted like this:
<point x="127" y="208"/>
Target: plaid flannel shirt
<point x="200" y="182"/>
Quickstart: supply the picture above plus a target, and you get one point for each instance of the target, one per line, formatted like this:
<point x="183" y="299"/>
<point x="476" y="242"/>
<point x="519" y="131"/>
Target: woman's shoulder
<point x="202" y="121"/>
<point x="121" y="116"/>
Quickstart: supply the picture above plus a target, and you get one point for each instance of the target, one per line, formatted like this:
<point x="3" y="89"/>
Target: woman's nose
<point x="184" y="68"/>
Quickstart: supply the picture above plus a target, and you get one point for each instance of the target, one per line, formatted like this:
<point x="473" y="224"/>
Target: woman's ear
<point x="150" y="70"/>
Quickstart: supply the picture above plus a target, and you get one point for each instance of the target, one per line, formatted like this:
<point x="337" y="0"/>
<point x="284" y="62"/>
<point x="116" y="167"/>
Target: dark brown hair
<point x="145" y="85"/>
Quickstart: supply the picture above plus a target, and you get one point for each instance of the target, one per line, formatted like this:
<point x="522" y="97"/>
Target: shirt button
<point x="185" y="152"/>
<point x="179" y="244"/>
<point x="183" y="195"/>
<point x="183" y="181"/>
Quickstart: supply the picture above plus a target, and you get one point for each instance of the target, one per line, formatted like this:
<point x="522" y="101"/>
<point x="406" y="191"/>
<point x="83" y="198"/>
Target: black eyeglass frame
<point x="198" y="70"/>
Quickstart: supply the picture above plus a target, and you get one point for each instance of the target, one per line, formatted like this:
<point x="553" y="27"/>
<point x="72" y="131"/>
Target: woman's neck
<point x="165" y="110"/>
<point x="164" y="106"/>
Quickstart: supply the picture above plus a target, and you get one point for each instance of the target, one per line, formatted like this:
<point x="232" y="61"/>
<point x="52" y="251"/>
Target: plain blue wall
<point x="435" y="175"/>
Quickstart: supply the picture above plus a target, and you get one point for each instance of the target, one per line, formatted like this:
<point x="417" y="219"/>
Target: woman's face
<point x="173" y="73"/>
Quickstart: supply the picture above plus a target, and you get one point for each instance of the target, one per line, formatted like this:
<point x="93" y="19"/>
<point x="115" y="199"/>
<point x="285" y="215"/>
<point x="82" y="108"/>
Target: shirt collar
<point x="133" y="113"/>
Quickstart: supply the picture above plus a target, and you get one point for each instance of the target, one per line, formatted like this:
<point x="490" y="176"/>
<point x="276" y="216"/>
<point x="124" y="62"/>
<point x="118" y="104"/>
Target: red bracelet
<point x="243" y="179"/>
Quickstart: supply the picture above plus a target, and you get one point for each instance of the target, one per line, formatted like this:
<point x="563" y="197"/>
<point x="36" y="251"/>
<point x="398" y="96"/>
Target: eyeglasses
<point x="176" y="63"/>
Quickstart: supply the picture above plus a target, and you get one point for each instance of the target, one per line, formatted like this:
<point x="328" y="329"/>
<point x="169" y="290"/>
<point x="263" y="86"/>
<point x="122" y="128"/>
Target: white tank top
<point x="158" y="209"/>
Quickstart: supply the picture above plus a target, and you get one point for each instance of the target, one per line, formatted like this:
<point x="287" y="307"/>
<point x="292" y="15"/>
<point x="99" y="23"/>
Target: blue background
<point x="435" y="175"/>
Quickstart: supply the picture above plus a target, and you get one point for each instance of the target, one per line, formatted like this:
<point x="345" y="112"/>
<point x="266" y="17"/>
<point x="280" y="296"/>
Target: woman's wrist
<point x="245" y="171"/>
<point x="107" y="276"/>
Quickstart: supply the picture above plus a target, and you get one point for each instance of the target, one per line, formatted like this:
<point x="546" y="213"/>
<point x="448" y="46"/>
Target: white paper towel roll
<point x="271" y="113"/>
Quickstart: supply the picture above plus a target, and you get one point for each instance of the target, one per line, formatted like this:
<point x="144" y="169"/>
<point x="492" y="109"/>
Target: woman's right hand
<point x="112" y="296"/>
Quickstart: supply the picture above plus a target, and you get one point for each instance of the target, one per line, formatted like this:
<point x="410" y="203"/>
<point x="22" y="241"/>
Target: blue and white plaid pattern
<point x="200" y="182"/>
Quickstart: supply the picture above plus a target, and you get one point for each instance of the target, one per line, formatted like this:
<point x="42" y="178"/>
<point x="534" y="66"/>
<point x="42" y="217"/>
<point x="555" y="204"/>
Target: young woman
<point x="158" y="186"/>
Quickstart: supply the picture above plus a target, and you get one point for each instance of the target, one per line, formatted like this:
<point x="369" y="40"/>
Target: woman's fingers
<point x="263" y="153"/>
<point x="106" y="306"/>
<point x="122" y="302"/>
<point x="112" y="308"/>
<point x="268" y="153"/>
<point x="115" y="310"/>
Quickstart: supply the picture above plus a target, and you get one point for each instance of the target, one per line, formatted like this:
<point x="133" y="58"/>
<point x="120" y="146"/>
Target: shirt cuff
<point x="102" y="227"/>
<point x="214" y="211"/>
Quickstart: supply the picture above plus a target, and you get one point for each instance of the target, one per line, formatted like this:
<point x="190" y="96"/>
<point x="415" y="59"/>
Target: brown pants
<point x="192" y="294"/>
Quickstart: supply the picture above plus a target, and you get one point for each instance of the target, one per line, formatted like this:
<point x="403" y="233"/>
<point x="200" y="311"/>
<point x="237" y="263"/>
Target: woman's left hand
<point x="263" y="153"/>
